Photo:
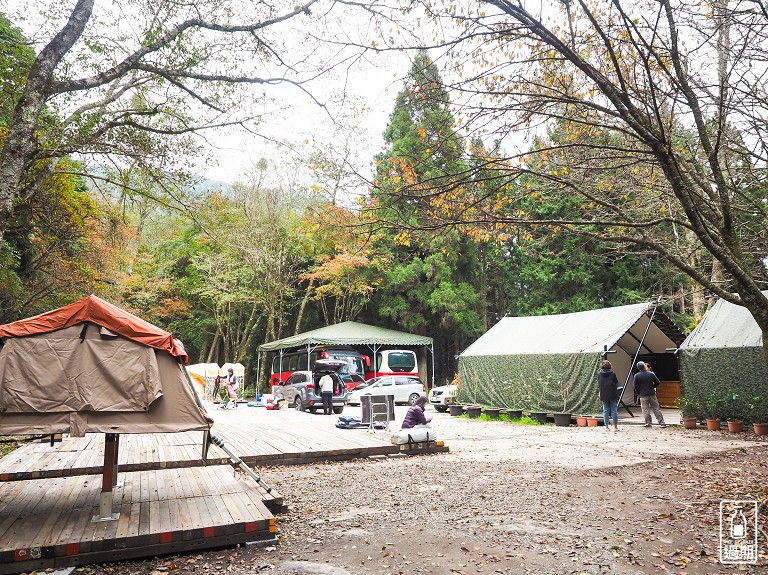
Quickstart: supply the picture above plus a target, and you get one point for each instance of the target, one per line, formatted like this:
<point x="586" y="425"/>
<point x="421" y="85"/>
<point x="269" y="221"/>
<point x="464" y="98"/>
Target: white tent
<point x="723" y="360"/>
<point x="203" y="375"/>
<point x="550" y="363"/>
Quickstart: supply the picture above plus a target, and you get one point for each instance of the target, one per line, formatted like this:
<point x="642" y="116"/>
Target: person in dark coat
<point x="645" y="384"/>
<point x="609" y="394"/>
<point x="415" y="416"/>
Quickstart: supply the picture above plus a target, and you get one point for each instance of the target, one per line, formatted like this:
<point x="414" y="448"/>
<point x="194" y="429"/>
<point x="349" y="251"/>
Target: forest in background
<point x="250" y="264"/>
<point x="446" y="236"/>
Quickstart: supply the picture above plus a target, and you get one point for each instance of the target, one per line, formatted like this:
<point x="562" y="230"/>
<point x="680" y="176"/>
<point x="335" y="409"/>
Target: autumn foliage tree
<point x="661" y="114"/>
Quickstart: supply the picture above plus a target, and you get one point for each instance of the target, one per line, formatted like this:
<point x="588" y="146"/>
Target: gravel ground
<point x="508" y="499"/>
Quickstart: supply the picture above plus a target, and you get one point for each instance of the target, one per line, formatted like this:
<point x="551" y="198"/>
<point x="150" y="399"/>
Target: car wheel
<point x="441" y="408"/>
<point x="297" y="404"/>
<point x="413" y="397"/>
<point x="338" y="410"/>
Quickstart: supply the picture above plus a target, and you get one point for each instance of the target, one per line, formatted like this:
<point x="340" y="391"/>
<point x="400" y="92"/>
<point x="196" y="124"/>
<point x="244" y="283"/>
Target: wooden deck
<point x="168" y="498"/>
<point x="261" y="438"/>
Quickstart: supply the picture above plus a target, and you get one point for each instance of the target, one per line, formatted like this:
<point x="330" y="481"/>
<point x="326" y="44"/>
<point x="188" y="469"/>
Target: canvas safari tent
<point x="93" y="367"/>
<point x="722" y="359"/>
<point x="550" y="363"/>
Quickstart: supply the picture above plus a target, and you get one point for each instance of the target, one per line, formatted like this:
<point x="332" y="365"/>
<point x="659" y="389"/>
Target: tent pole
<point x="258" y="371"/>
<point x="634" y="359"/>
<point x="237" y="462"/>
<point x="432" y="353"/>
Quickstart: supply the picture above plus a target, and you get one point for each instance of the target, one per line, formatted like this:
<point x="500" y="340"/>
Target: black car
<point x="302" y="389"/>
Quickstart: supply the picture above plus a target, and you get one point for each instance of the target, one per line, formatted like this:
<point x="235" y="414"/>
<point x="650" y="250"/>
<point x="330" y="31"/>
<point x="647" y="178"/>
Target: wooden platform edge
<point x="27" y="560"/>
<point x="270" y="460"/>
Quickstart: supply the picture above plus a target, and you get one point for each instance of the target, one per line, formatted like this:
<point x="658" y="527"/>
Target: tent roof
<point x="725" y="325"/>
<point x="95" y="310"/>
<point x="581" y="332"/>
<point x="348" y="333"/>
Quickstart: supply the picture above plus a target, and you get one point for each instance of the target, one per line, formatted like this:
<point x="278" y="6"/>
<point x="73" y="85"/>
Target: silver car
<point x="405" y="389"/>
<point x="301" y="389"/>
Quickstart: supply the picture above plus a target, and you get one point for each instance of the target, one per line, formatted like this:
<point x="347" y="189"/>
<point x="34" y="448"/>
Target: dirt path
<point x="508" y="499"/>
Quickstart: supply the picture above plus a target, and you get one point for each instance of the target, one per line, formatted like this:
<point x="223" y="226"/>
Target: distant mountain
<point x="206" y="186"/>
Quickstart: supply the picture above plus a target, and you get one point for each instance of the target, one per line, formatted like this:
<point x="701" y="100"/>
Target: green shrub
<point x="689" y="406"/>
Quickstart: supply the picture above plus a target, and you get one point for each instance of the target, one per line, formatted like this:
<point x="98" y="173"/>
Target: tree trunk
<point x="303" y="306"/>
<point x="20" y="148"/>
<point x="212" y="351"/>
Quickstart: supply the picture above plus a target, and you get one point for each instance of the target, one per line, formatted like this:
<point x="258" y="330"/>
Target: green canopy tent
<point x="349" y="333"/>
<point x="550" y="363"/>
<point x="722" y="360"/>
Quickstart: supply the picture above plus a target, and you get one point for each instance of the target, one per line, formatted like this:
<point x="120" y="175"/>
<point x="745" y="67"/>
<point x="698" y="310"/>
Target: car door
<point x="385" y="386"/>
<point x="291" y="388"/>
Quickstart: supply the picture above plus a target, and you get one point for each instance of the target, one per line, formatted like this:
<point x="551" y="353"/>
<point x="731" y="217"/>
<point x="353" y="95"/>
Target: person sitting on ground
<point x="415" y="416"/>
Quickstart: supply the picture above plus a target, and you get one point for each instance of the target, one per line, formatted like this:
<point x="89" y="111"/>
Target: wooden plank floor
<point x="169" y="499"/>
<point x="48" y="523"/>
<point x="259" y="437"/>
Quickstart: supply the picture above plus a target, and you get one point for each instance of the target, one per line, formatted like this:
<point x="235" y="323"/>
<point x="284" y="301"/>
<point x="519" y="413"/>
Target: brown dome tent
<point x="91" y="367"/>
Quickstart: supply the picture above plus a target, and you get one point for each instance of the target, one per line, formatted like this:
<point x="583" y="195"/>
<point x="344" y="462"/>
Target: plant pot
<point x="562" y="419"/>
<point x="474" y="411"/>
<point x="581" y="420"/>
<point x="514" y="413"/>
<point x="492" y="412"/>
<point x="456" y="409"/>
<point x="592" y="422"/>
<point x="735" y="426"/>
<point x="713" y="424"/>
<point x="760" y="428"/>
<point x="690" y="422"/>
<point x="539" y="416"/>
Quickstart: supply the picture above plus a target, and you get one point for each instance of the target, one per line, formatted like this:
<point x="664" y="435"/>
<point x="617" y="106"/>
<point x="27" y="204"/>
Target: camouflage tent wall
<point x="722" y="363"/>
<point x="550" y="363"/>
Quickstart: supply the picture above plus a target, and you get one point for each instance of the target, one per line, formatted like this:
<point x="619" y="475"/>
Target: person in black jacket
<point x="609" y="394"/>
<point x="645" y="384"/>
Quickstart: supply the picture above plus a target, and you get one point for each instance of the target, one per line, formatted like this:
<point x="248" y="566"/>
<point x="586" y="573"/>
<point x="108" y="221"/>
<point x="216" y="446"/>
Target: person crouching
<point x="415" y="416"/>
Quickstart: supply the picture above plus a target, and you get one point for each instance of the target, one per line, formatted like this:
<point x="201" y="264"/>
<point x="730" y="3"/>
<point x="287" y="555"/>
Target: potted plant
<point x="456" y="409"/>
<point x="690" y="410"/>
<point x="713" y="409"/>
<point x="514" y="413"/>
<point x="473" y="410"/>
<point x="540" y="416"/>
<point x="563" y="419"/>
<point x="758" y="410"/>
<point x="592" y="421"/>
<point x="581" y="420"/>
<point x="537" y="402"/>
<point x="734" y="412"/>
<point x="492" y="412"/>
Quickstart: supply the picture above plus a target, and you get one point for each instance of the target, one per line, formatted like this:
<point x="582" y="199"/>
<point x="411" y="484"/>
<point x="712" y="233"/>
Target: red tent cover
<point x="95" y="310"/>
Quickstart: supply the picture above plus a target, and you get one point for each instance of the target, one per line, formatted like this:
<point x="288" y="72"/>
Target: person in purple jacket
<point x="415" y="416"/>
